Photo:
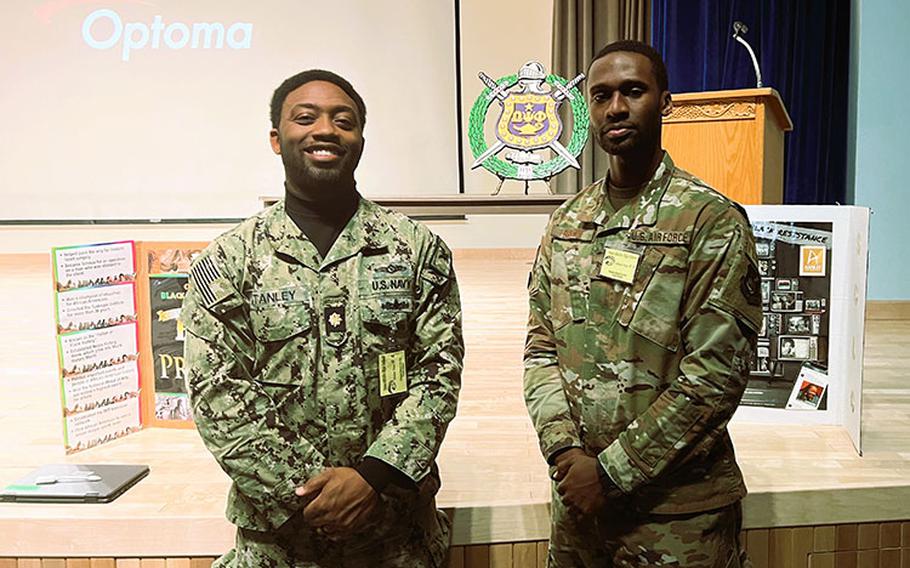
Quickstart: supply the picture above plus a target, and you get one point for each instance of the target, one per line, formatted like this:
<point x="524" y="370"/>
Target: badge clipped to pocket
<point x="619" y="265"/>
<point x="393" y="376"/>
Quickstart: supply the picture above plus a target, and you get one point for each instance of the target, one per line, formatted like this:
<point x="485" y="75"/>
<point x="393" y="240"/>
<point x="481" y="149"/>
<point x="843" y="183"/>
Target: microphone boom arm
<point x="736" y="31"/>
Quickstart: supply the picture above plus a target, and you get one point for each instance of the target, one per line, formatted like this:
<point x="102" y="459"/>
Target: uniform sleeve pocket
<point x="739" y="294"/>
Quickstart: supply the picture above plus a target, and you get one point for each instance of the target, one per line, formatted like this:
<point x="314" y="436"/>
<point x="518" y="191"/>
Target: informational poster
<point x="93" y="308"/>
<point x="167" y="268"/>
<point x="103" y="424"/>
<point x="97" y="342"/>
<point x="90" y="350"/>
<point x="794" y="261"/>
<point x="94" y="265"/>
<point x="166" y="297"/>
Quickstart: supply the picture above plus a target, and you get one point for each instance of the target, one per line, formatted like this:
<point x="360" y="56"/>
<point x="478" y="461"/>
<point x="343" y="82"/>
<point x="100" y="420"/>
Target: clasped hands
<point x="339" y="502"/>
<point x="578" y="482"/>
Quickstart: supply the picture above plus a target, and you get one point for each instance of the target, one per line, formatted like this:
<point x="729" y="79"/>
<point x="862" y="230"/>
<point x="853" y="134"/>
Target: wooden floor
<point x="490" y="457"/>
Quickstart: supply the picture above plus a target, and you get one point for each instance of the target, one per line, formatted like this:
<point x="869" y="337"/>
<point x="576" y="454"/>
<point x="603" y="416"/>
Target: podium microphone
<point x="741" y="28"/>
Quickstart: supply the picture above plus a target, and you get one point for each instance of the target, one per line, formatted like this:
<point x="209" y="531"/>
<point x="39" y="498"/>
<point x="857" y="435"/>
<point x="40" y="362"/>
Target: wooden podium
<point x="734" y="140"/>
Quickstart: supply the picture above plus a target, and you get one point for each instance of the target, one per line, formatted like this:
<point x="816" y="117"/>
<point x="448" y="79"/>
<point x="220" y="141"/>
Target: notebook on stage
<point x="74" y="483"/>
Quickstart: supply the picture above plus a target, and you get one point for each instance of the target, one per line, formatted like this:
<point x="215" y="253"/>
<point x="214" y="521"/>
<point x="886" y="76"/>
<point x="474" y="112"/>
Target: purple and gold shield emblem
<point x="528" y="121"/>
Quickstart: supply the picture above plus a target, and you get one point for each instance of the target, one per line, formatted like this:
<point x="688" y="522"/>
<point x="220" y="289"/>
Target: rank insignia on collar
<point x="334" y="319"/>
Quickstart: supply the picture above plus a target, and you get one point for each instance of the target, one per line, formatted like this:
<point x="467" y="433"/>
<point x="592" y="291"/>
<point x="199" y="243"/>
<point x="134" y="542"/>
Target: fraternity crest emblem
<point x="528" y="123"/>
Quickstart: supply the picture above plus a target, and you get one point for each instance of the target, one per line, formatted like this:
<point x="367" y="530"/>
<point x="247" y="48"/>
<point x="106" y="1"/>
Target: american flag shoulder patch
<point x="203" y="274"/>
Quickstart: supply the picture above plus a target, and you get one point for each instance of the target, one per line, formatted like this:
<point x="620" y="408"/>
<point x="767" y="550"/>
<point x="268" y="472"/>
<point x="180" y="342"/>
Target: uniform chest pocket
<point x="386" y="331"/>
<point x="570" y="282"/>
<point x="386" y="290"/>
<point x="278" y="322"/>
<point x="651" y="305"/>
<point x="386" y="315"/>
<point x="280" y="329"/>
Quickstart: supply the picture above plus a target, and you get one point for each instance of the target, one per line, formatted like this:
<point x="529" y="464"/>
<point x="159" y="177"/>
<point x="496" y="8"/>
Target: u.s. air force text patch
<point x="658" y="237"/>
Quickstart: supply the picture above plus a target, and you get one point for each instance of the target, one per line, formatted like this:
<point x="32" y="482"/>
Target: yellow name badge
<point x="393" y="376"/>
<point x="619" y="265"/>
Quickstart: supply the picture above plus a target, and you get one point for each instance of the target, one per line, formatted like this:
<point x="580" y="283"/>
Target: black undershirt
<point x="322" y="221"/>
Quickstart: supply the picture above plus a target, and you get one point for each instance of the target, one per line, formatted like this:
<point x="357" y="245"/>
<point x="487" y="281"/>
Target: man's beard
<point x="642" y="140"/>
<point x="304" y="174"/>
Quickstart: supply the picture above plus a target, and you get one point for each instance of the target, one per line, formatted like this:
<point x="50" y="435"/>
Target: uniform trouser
<point x="422" y="545"/>
<point x="618" y="539"/>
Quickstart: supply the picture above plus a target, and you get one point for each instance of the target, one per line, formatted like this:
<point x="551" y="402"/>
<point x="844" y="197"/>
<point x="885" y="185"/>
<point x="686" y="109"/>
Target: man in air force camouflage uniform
<point x="645" y="309"/>
<point x="324" y="356"/>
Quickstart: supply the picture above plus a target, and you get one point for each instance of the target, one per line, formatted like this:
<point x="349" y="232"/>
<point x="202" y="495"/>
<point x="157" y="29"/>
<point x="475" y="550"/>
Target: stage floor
<point x="493" y="475"/>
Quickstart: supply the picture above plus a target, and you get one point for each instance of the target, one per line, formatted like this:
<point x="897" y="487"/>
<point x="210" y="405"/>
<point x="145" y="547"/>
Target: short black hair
<point x="304" y="77"/>
<point x="657" y="62"/>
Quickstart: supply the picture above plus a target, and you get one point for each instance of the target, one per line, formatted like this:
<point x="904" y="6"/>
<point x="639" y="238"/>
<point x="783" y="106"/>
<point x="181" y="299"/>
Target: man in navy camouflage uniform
<point x="644" y="313"/>
<point x="324" y="356"/>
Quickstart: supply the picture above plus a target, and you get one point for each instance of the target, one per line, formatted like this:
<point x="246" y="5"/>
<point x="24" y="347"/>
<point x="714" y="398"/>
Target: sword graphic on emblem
<point x="497" y="91"/>
<point x="494" y="149"/>
<point x="565" y="91"/>
<point x="557" y="147"/>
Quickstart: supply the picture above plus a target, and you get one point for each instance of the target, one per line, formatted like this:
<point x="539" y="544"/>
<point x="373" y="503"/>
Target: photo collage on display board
<point x="168" y="266"/>
<point x="794" y="262"/>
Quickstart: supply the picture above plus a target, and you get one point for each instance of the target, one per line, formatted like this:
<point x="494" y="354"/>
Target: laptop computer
<point x="74" y="483"/>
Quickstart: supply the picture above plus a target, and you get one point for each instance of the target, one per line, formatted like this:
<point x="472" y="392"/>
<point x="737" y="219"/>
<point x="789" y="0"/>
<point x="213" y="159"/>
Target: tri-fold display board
<point x="808" y="367"/>
<point x="119" y="338"/>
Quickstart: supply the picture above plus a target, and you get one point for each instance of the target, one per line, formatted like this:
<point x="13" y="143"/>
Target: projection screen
<point x="140" y="109"/>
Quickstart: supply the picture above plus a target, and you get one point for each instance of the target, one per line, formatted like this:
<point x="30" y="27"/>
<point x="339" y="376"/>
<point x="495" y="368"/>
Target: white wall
<point x="498" y="38"/>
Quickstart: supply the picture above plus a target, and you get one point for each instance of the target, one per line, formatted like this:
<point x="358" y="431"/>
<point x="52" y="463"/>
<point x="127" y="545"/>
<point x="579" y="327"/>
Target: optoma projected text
<point x="104" y="29"/>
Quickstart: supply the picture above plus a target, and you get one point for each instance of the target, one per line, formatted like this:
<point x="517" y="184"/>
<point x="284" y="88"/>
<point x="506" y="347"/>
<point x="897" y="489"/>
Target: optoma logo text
<point x="103" y="29"/>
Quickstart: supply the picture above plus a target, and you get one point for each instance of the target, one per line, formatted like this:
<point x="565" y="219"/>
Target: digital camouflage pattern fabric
<point x="285" y="547"/>
<point x="283" y="371"/>
<point x="645" y="375"/>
